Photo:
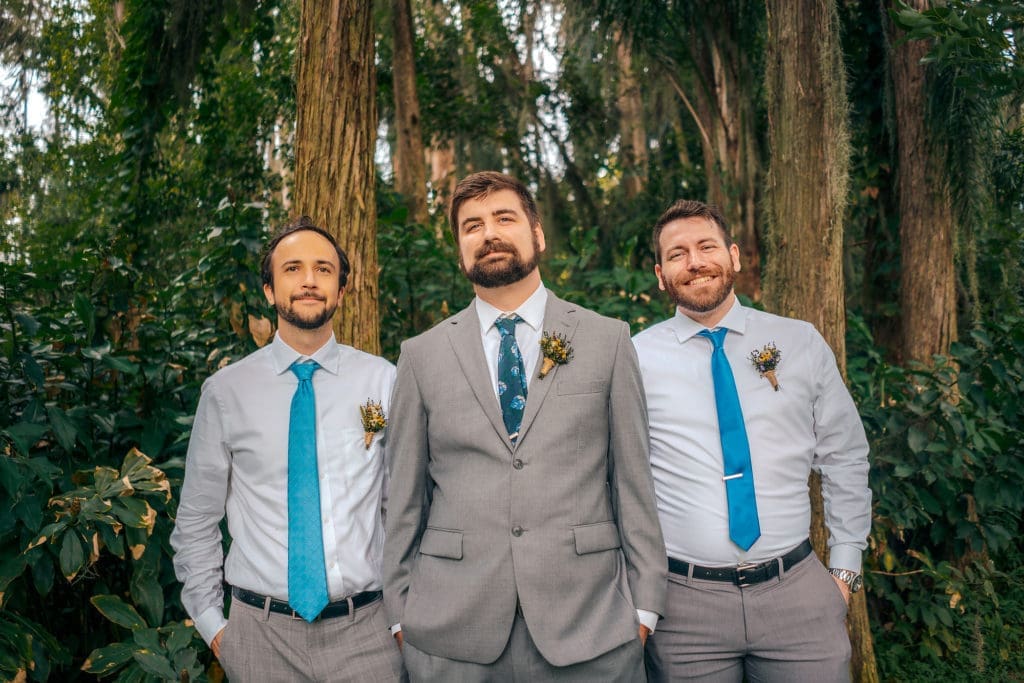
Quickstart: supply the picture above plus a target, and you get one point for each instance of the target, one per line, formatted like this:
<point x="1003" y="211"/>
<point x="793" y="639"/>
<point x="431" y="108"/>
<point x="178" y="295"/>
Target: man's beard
<point x="313" y="321"/>
<point x="493" y="274"/>
<point x="706" y="300"/>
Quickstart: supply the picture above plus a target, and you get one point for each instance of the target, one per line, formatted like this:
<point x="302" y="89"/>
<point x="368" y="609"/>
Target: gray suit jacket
<point x="565" y="521"/>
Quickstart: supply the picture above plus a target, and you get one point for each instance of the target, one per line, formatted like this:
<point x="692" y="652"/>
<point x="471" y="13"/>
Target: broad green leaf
<point x="105" y="660"/>
<point x="63" y="428"/>
<point x="917" y="439"/>
<point x="118" y="611"/>
<point x="155" y="664"/>
<point x="72" y="555"/>
<point x="147" y="594"/>
<point x="120" y="364"/>
<point x="148" y="639"/>
<point x="179" y="636"/>
<point x="24" y="435"/>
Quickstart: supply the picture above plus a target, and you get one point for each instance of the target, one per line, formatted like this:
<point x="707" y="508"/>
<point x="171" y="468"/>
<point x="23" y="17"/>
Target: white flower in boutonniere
<point x="556" y="350"/>
<point x="766" y="361"/>
<point x="373" y="420"/>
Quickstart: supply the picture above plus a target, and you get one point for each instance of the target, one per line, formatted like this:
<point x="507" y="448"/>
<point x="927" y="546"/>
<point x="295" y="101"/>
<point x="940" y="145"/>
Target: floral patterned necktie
<point x="511" y="376"/>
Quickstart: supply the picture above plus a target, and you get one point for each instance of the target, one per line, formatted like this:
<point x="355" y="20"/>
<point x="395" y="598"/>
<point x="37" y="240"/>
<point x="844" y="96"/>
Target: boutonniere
<point x="556" y="350"/>
<point x="373" y="420"/>
<point x="765" y="361"/>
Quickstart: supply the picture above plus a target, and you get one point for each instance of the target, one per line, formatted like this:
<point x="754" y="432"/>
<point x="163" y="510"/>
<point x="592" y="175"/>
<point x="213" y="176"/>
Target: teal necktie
<point x="511" y="376"/>
<point x="307" y="575"/>
<point x="744" y="529"/>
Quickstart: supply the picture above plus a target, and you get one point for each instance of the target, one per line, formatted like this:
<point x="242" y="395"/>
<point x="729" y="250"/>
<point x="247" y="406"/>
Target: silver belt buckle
<point x="741" y="577"/>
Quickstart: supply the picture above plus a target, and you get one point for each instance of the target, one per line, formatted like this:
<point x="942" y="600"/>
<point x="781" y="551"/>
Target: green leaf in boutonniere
<point x="557" y="351"/>
<point x="373" y="418"/>
<point x="765" y="361"/>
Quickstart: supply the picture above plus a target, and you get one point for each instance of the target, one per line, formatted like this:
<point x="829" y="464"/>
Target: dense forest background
<point x="869" y="155"/>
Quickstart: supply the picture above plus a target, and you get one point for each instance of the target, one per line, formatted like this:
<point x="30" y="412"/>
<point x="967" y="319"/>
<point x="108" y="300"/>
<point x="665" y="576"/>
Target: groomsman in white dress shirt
<point x="279" y="447"/>
<point x="743" y="405"/>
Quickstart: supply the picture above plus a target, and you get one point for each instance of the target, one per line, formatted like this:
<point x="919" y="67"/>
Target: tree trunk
<point x="724" y="108"/>
<point x="927" y="275"/>
<point x="410" y="164"/>
<point x="632" y="132"/>
<point x="806" y="200"/>
<point x="334" y="147"/>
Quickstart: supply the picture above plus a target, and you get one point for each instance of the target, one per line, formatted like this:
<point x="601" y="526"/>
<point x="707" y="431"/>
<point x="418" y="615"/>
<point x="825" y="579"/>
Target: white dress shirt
<point x="810" y="423"/>
<point x="528" y="336"/>
<point x="237" y="464"/>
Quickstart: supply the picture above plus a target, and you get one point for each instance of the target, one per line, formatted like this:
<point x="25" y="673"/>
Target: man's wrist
<point x="647" y="618"/>
<point x="853" y="580"/>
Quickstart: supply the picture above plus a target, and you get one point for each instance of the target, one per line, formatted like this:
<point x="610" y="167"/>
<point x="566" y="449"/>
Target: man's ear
<point x="657" y="274"/>
<point x="268" y="292"/>
<point x="538" y="230"/>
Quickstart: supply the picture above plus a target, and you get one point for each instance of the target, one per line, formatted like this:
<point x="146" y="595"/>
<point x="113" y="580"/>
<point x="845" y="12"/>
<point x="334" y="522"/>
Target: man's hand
<point x="215" y="643"/>
<point x="398" y="639"/>
<point x="843" y="588"/>
<point x="644" y="632"/>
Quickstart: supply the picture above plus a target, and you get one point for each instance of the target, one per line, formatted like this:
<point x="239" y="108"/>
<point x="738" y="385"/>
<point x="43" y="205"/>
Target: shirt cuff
<point x="397" y="628"/>
<point x="647" y="618"/>
<point x="844" y="556"/>
<point x="210" y="622"/>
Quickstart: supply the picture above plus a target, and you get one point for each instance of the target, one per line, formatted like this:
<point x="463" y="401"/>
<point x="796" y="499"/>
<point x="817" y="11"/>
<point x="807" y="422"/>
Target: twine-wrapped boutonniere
<point x="373" y="420"/>
<point x="765" y="361"/>
<point x="556" y="350"/>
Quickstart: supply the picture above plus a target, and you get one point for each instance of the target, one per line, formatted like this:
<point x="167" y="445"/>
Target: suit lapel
<point x="464" y="335"/>
<point x="559" y="317"/>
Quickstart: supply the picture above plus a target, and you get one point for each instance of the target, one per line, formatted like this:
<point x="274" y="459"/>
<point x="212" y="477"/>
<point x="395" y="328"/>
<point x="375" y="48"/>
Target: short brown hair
<point x="688" y="208"/>
<point x="302" y="223"/>
<point x="484" y="183"/>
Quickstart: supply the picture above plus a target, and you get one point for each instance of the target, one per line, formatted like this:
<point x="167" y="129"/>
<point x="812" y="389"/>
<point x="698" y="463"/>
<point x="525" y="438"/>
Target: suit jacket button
<point x="517" y="531"/>
<point x="517" y="463"/>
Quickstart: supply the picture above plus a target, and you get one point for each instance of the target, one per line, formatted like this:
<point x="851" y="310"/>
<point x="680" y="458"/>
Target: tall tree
<point x="632" y="131"/>
<point x="806" y="199"/>
<point x="927" y="276"/>
<point x="334" y="146"/>
<point x="410" y="163"/>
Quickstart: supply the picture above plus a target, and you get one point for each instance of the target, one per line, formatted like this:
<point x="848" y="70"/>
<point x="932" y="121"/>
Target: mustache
<point x="495" y="247"/>
<point x="308" y="295"/>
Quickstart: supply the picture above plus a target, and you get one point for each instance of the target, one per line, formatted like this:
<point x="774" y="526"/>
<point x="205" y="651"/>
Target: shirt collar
<point x="686" y="327"/>
<point x="327" y="356"/>
<point x="531" y="310"/>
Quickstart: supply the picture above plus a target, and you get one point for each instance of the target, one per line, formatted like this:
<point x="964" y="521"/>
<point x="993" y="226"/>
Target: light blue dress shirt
<point x="237" y="464"/>
<point x="811" y="422"/>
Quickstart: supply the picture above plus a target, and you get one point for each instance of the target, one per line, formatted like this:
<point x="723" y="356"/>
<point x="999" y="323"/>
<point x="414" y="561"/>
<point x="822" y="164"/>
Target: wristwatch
<point x="852" y="579"/>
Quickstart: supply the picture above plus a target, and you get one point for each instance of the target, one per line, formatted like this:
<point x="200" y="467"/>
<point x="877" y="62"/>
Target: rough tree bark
<point x="632" y="132"/>
<point x="927" y="274"/>
<point x="806" y="199"/>
<point x="410" y="164"/>
<point x="334" y="147"/>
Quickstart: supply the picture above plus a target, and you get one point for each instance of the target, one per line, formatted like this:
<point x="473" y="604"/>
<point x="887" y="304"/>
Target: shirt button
<point x="517" y="531"/>
<point x="517" y="463"/>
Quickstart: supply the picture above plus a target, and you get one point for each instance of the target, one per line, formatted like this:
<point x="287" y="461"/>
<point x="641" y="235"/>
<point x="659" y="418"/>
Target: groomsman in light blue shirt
<point x="743" y="405"/>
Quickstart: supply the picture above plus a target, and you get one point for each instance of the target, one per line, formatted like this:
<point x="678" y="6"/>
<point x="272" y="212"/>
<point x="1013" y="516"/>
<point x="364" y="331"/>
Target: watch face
<point x="857" y="583"/>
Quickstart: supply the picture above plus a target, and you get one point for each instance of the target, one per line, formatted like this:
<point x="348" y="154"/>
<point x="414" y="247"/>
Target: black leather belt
<point x="743" y="575"/>
<point x="333" y="609"/>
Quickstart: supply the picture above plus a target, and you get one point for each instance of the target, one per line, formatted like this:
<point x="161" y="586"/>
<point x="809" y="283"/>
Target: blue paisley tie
<point x="307" y="575"/>
<point x="511" y="376"/>
<point x="744" y="528"/>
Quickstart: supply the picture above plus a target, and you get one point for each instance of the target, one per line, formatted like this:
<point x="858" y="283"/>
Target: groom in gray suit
<point x="522" y="539"/>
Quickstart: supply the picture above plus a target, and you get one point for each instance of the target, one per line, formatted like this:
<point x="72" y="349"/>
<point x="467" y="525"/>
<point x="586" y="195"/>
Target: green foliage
<point x="101" y="385"/>
<point x="947" y="471"/>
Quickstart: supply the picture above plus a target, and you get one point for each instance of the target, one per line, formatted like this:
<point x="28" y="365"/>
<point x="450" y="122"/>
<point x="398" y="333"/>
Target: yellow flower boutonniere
<point x="373" y="420"/>
<point x="556" y="350"/>
<point x="766" y="361"/>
